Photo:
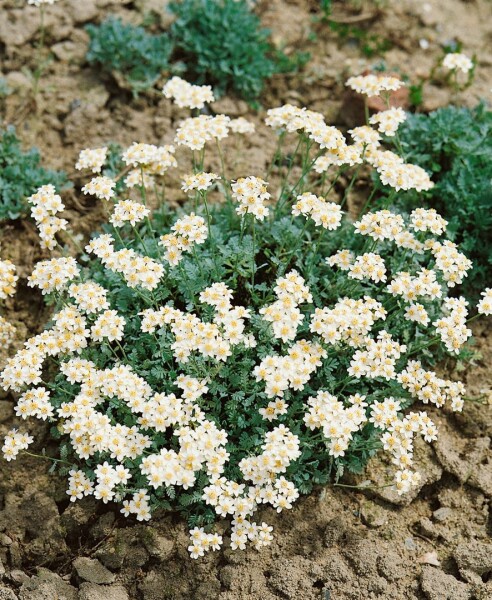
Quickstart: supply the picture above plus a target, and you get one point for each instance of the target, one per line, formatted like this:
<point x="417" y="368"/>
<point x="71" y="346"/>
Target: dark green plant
<point x="21" y="174"/>
<point x="455" y="146"/>
<point x="224" y="45"/>
<point x="139" y="57"/>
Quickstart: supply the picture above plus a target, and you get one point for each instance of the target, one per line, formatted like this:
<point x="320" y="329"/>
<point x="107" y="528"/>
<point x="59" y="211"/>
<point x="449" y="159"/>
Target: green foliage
<point x="234" y="396"/>
<point x="21" y="174"/>
<point x="223" y="45"/>
<point x="140" y="58"/>
<point x="295" y="333"/>
<point x="455" y="146"/>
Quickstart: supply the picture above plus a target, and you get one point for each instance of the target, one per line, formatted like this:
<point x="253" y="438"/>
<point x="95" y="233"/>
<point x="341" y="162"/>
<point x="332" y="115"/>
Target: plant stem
<point x="58" y="460"/>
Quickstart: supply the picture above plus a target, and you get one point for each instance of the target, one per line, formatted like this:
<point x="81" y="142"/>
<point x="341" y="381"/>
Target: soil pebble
<point x="438" y="585"/>
<point x="460" y="457"/>
<point x="442" y="514"/>
<point x="92" y="591"/>
<point x="91" y="570"/>
<point x="474" y="561"/>
<point x="47" y="585"/>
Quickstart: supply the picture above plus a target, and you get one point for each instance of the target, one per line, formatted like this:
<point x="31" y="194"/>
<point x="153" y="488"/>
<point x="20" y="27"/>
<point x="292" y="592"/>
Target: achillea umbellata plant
<point x="235" y="353"/>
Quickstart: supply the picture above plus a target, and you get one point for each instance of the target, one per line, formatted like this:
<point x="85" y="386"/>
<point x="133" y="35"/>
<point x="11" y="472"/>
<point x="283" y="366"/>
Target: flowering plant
<point x="236" y="352"/>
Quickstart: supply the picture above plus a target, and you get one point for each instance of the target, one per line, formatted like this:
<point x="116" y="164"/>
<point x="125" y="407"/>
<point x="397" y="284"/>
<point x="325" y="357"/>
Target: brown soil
<point x="337" y="544"/>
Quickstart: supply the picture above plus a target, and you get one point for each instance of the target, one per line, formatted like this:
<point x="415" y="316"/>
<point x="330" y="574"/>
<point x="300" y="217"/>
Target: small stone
<point x="410" y="544"/>
<point x="15" y="81"/>
<point x="427" y="527"/>
<point x="373" y="515"/>
<point x="460" y="457"/>
<point x="437" y="585"/>
<point x="7" y="594"/>
<point x="433" y="98"/>
<point x="47" y="584"/>
<point x="18" y="576"/>
<point x="474" y="561"/>
<point x="5" y="540"/>
<point x="91" y="591"/>
<point x="442" y="514"/>
<point x="429" y="558"/>
<point x="91" y="570"/>
<point x="230" y="106"/>
<point x="69" y="51"/>
<point x="481" y="478"/>
<point x="18" y="26"/>
<point x="81" y="12"/>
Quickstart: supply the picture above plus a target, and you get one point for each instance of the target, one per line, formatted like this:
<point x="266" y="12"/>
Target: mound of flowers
<point x="251" y="344"/>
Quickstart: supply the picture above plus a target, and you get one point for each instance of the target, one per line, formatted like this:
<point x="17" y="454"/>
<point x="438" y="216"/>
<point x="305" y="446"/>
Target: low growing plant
<point x="239" y="351"/>
<point x="224" y="45"/>
<point x="454" y="145"/>
<point x="21" y="174"/>
<point x="121" y="48"/>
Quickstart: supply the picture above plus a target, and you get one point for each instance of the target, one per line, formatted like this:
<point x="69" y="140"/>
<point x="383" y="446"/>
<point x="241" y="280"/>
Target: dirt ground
<point x="338" y="543"/>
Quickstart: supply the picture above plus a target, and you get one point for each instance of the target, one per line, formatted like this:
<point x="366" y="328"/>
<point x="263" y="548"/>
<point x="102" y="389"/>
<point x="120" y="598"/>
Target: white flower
<point x="457" y="61"/>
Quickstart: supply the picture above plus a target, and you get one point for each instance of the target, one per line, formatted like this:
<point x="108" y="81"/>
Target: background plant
<point x="141" y="58"/>
<point x="21" y="174"/>
<point x="223" y="44"/>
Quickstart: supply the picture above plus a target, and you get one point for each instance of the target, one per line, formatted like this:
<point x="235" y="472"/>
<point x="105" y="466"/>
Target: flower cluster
<point x="377" y="359"/>
<point x="484" y="307"/>
<point x="15" y="442"/>
<point x="188" y="231"/>
<point x="349" y="321"/>
<point x="128" y="211"/>
<point x="89" y="297"/>
<point x="337" y="422"/>
<point x="388" y="121"/>
<point x="290" y="371"/>
<point x="456" y="61"/>
<point x="324" y="214"/>
<point x="7" y="332"/>
<point x="101" y="187"/>
<point x="187" y="95"/>
<point x="427" y="387"/>
<point x="198" y="181"/>
<point x="149" y="160"/>
<point x="452" y="328"/>
<point x="251" y="193"/>
<point x="46" y="204"/>
<point x="92" y="159"/>
<point x="410" y="287"/>
<point x="452" y="263"/>
<point x="373" y="85"/>
<point x="8" y="279"/>
<point x="136" y="269"/>
<point x="53" y="275"/>
<point x="368" y="266"/>
<point x="284" y="314"/>
<point x="195" y="132"/>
